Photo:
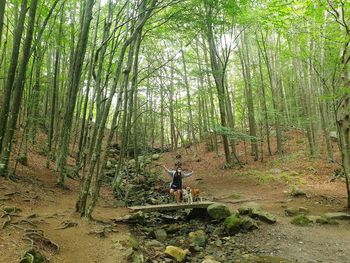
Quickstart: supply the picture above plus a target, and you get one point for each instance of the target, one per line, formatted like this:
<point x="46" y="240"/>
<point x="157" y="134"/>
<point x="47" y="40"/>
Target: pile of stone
<point x="138" y="186"/>
<point x="198" y="235"/>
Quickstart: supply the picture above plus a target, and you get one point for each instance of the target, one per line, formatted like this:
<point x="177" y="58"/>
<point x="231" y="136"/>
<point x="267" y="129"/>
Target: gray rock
<point x="210" y="259"/>
<point x="304" y="210"/>
<point x="198" y="238"/>
<point x="296" y="192"/>
<point x="337" y="216"/>
<point x="160" y="235"/>
<point x="334" y="135"/>
<point x="291" y="211"/>
<point x="218" y="211"/>
<point x="154" y="243"/>
<point x="264" y="217"/>
<point x="248" y="223"/>
<point x="155" y="157"/>
<point x="276" y="171"/>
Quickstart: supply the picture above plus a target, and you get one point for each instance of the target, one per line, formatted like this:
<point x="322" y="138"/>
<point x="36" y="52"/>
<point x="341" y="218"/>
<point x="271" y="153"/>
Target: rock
<point x="33" y="256"/>
<point x="218" y="211"/>
<point x="155" y="157"/>
<point x="276" y="171"/>
<point x="296" y="192"/>
<point x="322" y="220"/>
<point x="132" y="163"/>
<point x="304" y="210"/>
<point x="138" y="258"/>
<point x="264" y="216"/>
<point x="301" y="220"/>
<point x="160" y="235"/>
<point x="137" y="217"/>
<point x="198" y="238"/>
<point x="218" y="243"/>
<point x="291" y="211"/>
<point x="334" y="136"/>
<point x="248" y="223"/>
<point x="209" y="259"/>
<point x="337" y="216"/>
<point x="154" y="243"/>
<point x="253" y="205"/>
<point x="318" y="219"/>
<point x="232" y="224"/>
<point x="177" y="253"/>
<point x="245" y="210"/>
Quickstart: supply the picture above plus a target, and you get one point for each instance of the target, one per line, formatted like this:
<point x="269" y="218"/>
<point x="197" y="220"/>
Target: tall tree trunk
<point x="18" y="90"/>
<point x="219" y="78"/>
<point x="74" y="81"/>
<point x="5" y="105"/>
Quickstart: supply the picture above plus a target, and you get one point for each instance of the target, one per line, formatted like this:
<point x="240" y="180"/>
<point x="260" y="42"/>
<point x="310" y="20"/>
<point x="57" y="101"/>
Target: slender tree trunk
<point x="73" y="90"/>
<point x="18" y="90"/>
<point x="12" y="72"/>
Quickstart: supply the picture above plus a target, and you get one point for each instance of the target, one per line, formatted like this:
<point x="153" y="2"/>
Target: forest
<point x="252" y="96"/>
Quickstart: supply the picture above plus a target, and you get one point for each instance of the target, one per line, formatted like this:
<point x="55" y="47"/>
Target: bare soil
<point x="35" y="193"/>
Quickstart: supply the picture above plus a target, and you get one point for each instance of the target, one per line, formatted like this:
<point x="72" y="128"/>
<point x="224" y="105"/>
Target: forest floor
<point x="48" y="208"/>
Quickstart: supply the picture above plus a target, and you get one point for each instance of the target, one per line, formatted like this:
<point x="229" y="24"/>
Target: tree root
<point x="7" y="222"/>
<point x="42" y="242"/>
<point x="67" y="224"/>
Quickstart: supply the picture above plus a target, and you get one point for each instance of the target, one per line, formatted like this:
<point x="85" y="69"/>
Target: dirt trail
<point x="316" y="243"/>
<point x="266" y="183"/>
<point x="52" y="208"/>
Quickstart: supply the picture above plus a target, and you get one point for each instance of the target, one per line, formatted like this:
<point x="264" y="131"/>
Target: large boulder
<point x="198" y="238"/>
<point x="175" y="252"/>
<point x="233" y="224"/>
<point x="218" y="211"/>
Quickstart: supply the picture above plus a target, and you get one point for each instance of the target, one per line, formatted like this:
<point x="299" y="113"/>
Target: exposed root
<point x="42" y="242"/>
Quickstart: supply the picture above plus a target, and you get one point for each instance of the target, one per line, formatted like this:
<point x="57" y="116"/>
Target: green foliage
<point x="233" y="134"/>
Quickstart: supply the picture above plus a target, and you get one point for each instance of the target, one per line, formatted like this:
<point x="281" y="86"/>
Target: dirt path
<point x="49" y="209"/>
<point x="266" y="183"/>
<point x="315" y="243"/>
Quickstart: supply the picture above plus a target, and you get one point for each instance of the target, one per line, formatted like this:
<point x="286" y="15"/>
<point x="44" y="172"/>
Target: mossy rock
<point x="248" y="223"/>
<point x="233" y="224"/>
<point x="301" y="220"/>
<point x="198" y="238"/>
<point x="297" y="192"/>
<point x="175" y="252"/>
<point x="218" y="211"/>
<point x="291" y="211"/>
